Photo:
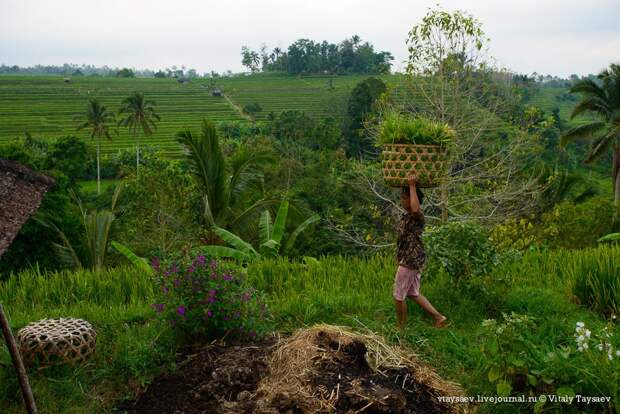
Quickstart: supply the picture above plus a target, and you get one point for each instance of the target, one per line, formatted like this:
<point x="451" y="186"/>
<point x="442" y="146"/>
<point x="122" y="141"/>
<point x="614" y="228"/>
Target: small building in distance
<point x="21" y="193"/>
<point x="217" y="92"/>
<point x="67" y="80"/>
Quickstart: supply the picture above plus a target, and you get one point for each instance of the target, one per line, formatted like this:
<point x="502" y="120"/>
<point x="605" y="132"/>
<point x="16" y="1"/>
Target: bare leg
<point x="429" y="308"/>
<point x="401" y="313"/>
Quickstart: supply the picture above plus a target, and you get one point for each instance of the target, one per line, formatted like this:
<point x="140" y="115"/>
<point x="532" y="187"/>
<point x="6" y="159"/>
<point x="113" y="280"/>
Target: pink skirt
<point x="406" y="283"/>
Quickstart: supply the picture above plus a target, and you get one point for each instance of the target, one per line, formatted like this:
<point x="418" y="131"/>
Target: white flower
<point x="618" y="353"/>
<point x="588" y="333"/>
<point x="585" y="345"/>
<point x="580" y="324"/>
<point x="599" y="347"/>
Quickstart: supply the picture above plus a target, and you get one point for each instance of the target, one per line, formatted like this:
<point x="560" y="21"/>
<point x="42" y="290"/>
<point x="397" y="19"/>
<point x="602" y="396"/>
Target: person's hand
<point x="413" y="180"/>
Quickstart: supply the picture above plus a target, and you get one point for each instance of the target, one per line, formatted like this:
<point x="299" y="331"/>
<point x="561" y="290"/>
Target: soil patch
<point x="322" y="369"/>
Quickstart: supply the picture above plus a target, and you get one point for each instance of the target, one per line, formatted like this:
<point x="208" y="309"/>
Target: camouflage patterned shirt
<point x="409" y="247"/>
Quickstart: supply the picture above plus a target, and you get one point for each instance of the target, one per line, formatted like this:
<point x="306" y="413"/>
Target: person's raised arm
<point x="416" y="210"/>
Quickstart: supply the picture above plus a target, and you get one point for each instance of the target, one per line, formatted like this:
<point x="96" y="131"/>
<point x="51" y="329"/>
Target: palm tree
<point x="140" y="116"/>
<point x="228" y="185"/>
<point x="98" y="119"/>
<point x="602" y="99"/>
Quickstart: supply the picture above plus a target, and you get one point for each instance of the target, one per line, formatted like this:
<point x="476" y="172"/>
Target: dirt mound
<point x="322" y="369"/>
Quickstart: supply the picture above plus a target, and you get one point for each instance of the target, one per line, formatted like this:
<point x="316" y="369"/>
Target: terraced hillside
<point x="273" y="93"/>
<point x="47" y="106"/>
<point x="549" y="98"/>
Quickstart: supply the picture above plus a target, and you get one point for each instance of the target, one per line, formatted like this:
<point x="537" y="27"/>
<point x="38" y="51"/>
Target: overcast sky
<point x="547" y="36"/>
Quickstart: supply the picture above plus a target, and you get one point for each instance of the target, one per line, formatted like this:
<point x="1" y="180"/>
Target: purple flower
<point x="213" y="264"/>
<point x="226" y="318"/>
<point x="155" y="263"/>
<point x="176" y="282"/>
<point x="158" y="307"/>
<point x="213" y="292"/>
<point x="181" y="310"/>
<point x="246" y="296"/>
<point x="209" y="313"/>
<point x="174" y="268"/>
<point x="227" y="277"/>
<point x="191" y="269"/>
<point x="200" y="260"/>
<point x="213" y="275"/>
<point x="165" y="290"/>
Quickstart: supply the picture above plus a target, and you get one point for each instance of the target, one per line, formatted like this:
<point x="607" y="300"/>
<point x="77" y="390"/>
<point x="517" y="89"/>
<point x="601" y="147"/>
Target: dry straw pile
<point x="297" y="372"/>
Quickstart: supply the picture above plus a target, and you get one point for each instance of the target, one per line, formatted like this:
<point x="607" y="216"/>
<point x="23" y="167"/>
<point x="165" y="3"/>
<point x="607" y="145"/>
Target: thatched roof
<point x="21" y="192"/>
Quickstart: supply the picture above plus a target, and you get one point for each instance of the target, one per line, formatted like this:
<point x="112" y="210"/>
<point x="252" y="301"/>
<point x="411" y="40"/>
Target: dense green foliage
<point x="60" y="159"/>
<point x="305" y="56"/>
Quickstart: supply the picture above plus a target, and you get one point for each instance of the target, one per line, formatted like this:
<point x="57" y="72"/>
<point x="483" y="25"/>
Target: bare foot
<point x="441" y="322"/>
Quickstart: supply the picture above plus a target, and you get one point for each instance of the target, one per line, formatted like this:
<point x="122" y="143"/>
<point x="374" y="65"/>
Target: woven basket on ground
<point x="57" y="341"/>
<point x="427" y="162"/>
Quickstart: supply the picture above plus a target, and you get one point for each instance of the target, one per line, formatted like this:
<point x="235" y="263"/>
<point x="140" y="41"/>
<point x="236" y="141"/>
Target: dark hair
<point x="405" y="193"/>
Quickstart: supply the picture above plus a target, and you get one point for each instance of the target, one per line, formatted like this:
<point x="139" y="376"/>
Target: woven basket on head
<point x="427" y="162"/>
<point x="57" y="341"/>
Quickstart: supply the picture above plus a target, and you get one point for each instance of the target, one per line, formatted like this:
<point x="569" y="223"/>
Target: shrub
<point x="206" y="299"/>
<point x="461" y="248"/>
<point x="397" y="128"/>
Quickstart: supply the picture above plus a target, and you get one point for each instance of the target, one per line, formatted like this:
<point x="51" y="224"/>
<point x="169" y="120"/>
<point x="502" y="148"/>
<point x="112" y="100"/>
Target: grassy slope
<point x="354" y="292"/>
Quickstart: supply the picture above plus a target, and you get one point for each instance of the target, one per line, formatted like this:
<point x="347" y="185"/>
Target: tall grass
<point x="33" y="289"/>
<point x="595" y="276"/>
<point x="132" y="346"/>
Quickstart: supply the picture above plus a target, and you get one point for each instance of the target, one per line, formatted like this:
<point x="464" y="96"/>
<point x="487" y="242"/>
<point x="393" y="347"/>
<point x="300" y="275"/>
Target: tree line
<point x="309" y="57"/>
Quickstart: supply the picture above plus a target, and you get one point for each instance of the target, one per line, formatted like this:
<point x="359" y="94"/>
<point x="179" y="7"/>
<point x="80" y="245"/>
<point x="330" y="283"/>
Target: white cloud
<point x="558" y="37"/>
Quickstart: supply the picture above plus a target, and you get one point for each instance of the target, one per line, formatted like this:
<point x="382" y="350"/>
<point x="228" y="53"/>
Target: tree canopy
<point x="306" y="56"/>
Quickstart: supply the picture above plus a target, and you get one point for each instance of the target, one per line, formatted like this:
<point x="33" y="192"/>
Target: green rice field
<point x="47" y="105"/>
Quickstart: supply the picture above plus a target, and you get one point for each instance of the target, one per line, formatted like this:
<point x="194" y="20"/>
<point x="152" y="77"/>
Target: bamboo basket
<point x="427" y="162"/>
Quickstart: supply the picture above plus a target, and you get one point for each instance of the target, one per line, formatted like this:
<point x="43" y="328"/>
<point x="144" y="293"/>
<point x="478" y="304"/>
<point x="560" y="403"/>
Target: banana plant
<point x="139" y="262"/>
<point x="271" y="235"/>
<point x="610" y="238"/>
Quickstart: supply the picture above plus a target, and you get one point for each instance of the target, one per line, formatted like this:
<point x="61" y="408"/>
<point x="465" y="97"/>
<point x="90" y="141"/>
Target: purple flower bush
<point x="207" y="298"/>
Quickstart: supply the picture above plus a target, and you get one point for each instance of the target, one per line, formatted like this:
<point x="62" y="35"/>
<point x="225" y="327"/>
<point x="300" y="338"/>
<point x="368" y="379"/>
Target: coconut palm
<point x="229" y="185"/>
<point x="602" y="99"/>
<point x="139" y="116"/>
<point x="98" y="120"/>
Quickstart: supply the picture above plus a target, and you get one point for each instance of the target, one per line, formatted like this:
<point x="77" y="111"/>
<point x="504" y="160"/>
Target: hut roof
<point x="21" y="192"/>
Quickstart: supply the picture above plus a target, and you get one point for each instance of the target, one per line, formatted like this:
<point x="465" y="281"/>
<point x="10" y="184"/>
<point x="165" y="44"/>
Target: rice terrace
<point x="222" y="212"/>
